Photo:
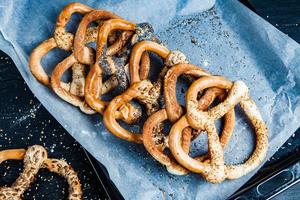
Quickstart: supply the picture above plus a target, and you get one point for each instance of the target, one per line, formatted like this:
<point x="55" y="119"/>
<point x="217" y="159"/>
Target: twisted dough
<point x="94" y="78"/>
<point x="215" y="170"/>
<point x="155" y="142"/>
<point x="36" y="158"/>
<point x="140" y="89"/>
<point x="174" y="110"/>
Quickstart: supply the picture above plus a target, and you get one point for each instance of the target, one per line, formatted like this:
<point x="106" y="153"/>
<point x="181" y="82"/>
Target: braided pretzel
<point x="35" y="158"/>
<point x="141" y="90"/>
<point x="61" y="39"/>
<point x="174" y="110"/>
<point x="215" y="170"/>
<point x="78" y="81"/>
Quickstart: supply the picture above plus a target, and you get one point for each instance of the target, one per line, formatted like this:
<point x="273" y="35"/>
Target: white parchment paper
<point x="226" y="39"/>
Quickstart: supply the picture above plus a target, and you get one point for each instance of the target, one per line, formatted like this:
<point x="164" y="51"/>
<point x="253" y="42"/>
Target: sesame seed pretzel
<point x="35" y="158"/>
<point x="215" y="170"/>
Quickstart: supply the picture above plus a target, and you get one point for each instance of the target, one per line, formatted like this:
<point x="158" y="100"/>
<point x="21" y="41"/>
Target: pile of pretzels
<point x="36" y="158"/>
<point x="120" y="65"/>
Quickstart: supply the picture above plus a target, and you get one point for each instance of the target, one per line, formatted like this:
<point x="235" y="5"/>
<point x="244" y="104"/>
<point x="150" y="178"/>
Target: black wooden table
<point x="23" y="117"/>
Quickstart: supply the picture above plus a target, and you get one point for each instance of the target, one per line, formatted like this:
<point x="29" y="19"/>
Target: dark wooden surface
<point x="24" y="121"/>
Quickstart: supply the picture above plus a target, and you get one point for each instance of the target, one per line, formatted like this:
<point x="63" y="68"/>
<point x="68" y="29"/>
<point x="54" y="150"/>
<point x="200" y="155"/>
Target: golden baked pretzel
<point x="78" y="76"/>
<point x="74" y="99"/>
<point x="35" y="158"/>
<point x="215" y="170"/>
<point x="62" y="39"/>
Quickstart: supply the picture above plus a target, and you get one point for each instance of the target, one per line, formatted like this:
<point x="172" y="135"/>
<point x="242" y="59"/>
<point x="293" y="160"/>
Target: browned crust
<point x="136" y="55"/>
<point x="110" y="118"/>
<point x="94" y="77"/>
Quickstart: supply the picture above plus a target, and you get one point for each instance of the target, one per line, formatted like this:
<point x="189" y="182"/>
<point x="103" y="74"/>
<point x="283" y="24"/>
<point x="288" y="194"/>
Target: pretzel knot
<point x="144" y="31"/>
<point x="215" y="170"/>
<point x="36" y="158"/>
<point x="137" y="90"/>
<point x="175" y="57"/>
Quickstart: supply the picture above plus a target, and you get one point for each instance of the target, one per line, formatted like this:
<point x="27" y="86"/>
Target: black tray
<point x="24" y="122"/>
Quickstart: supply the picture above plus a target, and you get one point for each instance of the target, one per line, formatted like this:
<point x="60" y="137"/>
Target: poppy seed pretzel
<point x="35" y="158"/>
<point x="94" y="78"/>
<point x="78" y="82"/>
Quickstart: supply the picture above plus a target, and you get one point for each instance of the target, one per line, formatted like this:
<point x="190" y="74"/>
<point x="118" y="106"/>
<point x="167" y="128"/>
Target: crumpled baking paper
<point x="227" y="40"/>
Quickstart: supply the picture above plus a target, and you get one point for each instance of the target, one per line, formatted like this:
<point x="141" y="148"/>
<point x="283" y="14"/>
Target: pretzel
<point x="94" y="78"/>
<point x="174" y="110"/>
<point x="36" y="158"/>
<point x="61" y="39"/>
<point x="215" y="170"/>
<point x="155" y="142"/>
<point x="141" y="90"/>
<point x="74" y="96"/>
